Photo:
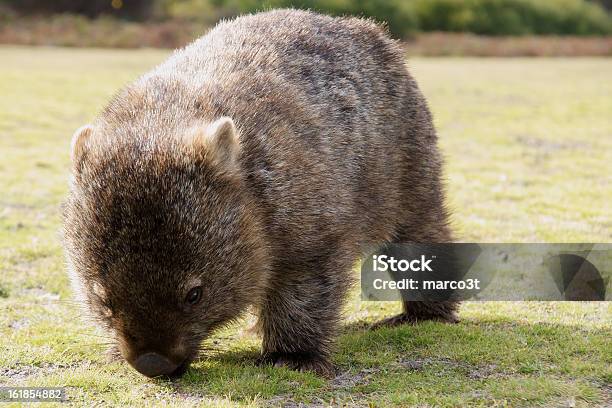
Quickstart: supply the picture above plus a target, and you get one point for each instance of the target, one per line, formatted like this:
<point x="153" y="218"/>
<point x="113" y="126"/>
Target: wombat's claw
<point x="406" y="318"/>
<point x="397" y="320"/>
<point x="318" y="365"/>
<point x="112" y="354"/>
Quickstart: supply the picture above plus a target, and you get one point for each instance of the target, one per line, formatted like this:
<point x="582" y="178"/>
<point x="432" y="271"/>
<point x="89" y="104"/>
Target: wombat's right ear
<point x="77" y="146"/>
<point x="219" y="140"/>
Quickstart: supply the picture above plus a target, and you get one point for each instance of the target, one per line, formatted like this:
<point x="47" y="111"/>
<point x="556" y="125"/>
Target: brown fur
<point x="334" y="153"/>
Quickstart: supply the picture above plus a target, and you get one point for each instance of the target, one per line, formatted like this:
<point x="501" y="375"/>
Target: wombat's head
<point x="162" y="241"/>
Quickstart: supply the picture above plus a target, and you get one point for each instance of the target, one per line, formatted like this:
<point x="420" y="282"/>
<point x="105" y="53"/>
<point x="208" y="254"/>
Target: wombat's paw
<point x="301" y="362"/>
<point x="406" y="318"/>
<point x="397" y="320"/>
<point x="112" y="354"/>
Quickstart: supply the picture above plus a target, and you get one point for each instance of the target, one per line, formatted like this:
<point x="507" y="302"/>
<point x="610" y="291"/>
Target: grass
<point x="69" y="30"/>
<point x="528" y="144"/>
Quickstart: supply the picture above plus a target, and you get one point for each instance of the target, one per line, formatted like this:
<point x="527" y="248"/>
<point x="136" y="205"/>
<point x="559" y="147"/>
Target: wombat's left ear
<point x="219" y="140"/>
<point x="78" y="145"/>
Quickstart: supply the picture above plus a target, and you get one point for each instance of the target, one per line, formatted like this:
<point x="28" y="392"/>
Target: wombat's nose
<point x="153" y="365"/>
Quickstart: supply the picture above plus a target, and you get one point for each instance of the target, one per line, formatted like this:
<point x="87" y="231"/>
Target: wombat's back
<point x="332" y="127"/>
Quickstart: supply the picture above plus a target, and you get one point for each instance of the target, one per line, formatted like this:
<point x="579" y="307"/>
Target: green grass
<point x="528" y="144"/>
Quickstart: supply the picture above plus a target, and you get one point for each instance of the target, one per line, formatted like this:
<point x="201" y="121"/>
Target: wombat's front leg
<point x="298" y="321"/>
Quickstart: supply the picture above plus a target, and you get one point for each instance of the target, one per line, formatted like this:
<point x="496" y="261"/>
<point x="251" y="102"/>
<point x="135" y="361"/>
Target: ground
<point x="528" y="146"/>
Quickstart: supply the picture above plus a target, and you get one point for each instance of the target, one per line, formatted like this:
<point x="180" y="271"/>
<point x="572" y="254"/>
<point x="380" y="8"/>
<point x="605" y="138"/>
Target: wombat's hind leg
<point x="414" y="312"/>
<point x="418" y="311"/>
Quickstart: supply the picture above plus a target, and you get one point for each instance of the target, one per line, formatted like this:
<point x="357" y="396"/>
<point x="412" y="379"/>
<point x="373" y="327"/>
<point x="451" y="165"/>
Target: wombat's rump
<point x="252" y="168"/>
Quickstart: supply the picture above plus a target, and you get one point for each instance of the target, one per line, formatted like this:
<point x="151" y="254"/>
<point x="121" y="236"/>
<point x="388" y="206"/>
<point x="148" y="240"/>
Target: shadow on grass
<point x="498" y="357"/>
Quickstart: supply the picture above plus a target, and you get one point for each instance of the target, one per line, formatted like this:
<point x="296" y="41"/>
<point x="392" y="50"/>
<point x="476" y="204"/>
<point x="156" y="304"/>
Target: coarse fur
<point x="258" y="163"/>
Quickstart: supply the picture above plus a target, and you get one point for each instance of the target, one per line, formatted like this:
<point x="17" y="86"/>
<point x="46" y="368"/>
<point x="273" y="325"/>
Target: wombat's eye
<point x="194" y="296"/>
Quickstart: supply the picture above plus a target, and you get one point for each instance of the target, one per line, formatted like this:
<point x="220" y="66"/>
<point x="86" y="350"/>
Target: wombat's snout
<point x="154" y="365"/>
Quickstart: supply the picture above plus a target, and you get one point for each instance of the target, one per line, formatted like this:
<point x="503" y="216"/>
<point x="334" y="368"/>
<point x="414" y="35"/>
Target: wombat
<point x="252" y="169"/>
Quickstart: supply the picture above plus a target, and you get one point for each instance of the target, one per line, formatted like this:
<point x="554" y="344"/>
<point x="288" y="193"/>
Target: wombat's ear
<point x="220" y="141"/>
<point x="77" y="146"/>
